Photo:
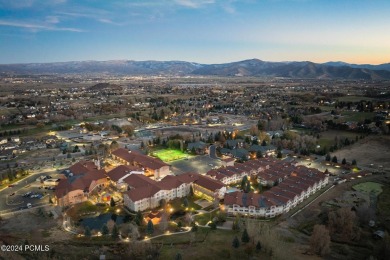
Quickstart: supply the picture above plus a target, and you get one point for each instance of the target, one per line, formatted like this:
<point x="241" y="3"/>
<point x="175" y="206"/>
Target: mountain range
<point x="252" y="68"/>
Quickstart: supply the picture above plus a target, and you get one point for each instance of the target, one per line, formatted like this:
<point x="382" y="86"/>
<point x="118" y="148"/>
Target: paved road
<point x="16" y="201"/>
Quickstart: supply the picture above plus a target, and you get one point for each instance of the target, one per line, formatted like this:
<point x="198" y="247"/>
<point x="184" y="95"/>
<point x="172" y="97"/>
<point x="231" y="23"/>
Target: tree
<point x="194" y="227"/>
<point x="163" y="221"/>
<point x="264" y="143"/>
<point x="247" y="187"/>
<point x="105" y="230"/>
<point x="178" y="256"/>
<point x="128" y="129"/>
<point x="327" y="158"/>
<point x="258" y="246"/>
<point x="114" y="145"/>
<point x="243" y="182"/>
<point x="334" y="159"/>
<point x="354" y="162"/>
<point x="343" y="222"/>
<point x="112" y="202"/>
<point x="320" y="240"/>
<point x="138" y="218"/>
<point x="213" y="225"/>
<point x="115" y="232"/>
<point x="279" y="155"/>
<point x="344" y="161"/>
<point x="150" y="228"/>
<point x="236" y="242"/>
<point x="87" y="232"/>
<point x="179" y="225"/>
<point x="185" y="202"/>
<point x="191" y="194"/>
<point x="245" y="236"/>
<point x="259" y="154"/>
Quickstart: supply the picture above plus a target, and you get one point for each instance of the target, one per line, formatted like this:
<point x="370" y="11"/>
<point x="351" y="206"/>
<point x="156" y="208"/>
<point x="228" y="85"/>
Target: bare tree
<point x="343" y="222"/>
<point x="163" y="225"/>
<point x="110" y="224"/>
<point x="320" y="240"/>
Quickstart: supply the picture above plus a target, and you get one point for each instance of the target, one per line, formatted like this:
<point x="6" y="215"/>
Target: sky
<point x="204" y="31"/>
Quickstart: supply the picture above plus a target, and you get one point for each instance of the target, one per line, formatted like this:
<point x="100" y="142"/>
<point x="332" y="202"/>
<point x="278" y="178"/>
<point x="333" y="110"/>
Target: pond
<point x="97" y="222"/>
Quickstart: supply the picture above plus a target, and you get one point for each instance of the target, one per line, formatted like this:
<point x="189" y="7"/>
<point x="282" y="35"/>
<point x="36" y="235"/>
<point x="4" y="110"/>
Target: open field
<point x="168" y="155"/>
<point x="354" y="98"/>
<point x="368" y="187"/>
<point x="327" y="138"/>
<point x="356" y="116"/>
<point x="206" y="244"/>
<point x="373" y="150"/>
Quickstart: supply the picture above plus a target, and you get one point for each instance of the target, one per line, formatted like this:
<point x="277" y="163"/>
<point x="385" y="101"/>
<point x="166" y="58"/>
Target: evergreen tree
<point x="327" y="158"/>
<point x="245" y="236"/>
<point x="213" y="225"/>
<point x="243" y="182"/>
<point x="354" y="162"/>
<point x="87" y="232"/>
<point x="178" y="256"/>
<point x="150" y="228"/>
<point x="185" y="202"/>
<point x="191" y="191"/>
<point x="105" y="230"/>
<point x="112" y="202"/>
<point x="115" y="232"/>
<point x="138" y="218"/>
<point x="279" y="155"/>
<point x="334" y="159"/>
<point x="236" y="242"/>
<point x="247" y="187"/>
<point x="259" y="154"/>
<point x="258" y="246"/>
<point x="344" y="161"/>
<point x="264" y="143"/>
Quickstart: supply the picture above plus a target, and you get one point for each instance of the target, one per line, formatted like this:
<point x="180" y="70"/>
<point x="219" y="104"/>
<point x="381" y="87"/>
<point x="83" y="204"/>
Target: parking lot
<point x="200" y="164"/>
<point x="29" y="190"/>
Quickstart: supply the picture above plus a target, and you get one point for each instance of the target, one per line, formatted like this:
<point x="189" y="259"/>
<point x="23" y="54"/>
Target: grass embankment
<point x="203" y="244"/>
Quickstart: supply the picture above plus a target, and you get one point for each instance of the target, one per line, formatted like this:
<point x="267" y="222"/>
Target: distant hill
<point x="120" y="67"/>
<point x="385" y="66"/>
<point x="303" y="69"/>
<point x="252" y="67"/>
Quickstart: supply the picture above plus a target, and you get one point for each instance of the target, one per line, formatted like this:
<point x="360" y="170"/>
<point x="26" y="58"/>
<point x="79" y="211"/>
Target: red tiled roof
<point x="135" y="157"/>
<point x="120" y="171"/>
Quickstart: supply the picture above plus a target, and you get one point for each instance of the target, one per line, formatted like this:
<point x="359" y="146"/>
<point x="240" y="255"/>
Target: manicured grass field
<point x="168" y="155"/>
<point x="368" y="187"/>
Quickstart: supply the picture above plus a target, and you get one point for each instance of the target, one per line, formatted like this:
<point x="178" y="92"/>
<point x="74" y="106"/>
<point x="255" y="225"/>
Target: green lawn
<point x="368" y="187"/>
<point x="168" y="155"/>
<point x="356" y="116"/>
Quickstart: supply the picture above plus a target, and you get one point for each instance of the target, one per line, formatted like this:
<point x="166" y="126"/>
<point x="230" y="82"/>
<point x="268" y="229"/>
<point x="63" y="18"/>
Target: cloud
<point x="194" y="3"/>
<point x="52" y="19"/>
<point x="37" y="27"/>
<point x="20" y="4"/>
